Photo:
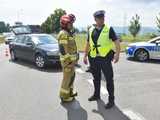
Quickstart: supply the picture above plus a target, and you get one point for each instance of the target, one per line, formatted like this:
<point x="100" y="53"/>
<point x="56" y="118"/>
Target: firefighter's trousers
<point x="66" y="91"/>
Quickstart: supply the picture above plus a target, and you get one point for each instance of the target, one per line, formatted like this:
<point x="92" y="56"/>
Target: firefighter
<point x="68" y="57"/>
<point x="100" y="48"/>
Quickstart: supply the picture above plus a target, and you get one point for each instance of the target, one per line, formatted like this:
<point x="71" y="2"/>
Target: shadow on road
<point x="52" y="68"/>
<point x="151" y="61"/>
<point x="75" y="111"/>
<point x="112" y="114"/>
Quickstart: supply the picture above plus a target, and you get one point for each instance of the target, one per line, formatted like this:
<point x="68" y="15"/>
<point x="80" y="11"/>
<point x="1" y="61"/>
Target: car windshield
<point x="154" y="40"/>
<point x="46" y="39"/>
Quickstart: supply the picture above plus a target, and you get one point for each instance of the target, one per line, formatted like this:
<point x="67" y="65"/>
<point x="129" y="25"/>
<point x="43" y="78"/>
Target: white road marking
<point x="132" y="115"/>
<point x="103" y="89"/>
<point x="129" y="113"/>
<point x="79" y="70"/>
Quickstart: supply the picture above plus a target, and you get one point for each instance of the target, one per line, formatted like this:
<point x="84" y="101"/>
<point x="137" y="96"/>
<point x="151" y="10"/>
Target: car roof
<point x="38" y="34"/>
<point x="32" y="35"/>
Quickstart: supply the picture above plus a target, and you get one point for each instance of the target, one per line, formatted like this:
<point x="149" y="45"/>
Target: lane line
<point x="128" y="112"/>
<point x="103" y="89"/>
<point x="132" y="115"/>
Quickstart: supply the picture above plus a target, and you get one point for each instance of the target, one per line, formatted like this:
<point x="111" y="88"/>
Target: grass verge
<point x="1" y="39"/>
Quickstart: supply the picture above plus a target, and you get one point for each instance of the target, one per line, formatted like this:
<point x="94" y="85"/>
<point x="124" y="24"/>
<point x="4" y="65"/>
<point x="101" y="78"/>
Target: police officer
<point x="100" y="46"/>
<point x="68" y="57"/>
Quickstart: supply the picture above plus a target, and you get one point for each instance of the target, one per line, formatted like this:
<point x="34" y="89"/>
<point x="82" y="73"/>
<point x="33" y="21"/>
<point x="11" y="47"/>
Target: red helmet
<point x="65" y="19"/>
<point x="72" y="17"/>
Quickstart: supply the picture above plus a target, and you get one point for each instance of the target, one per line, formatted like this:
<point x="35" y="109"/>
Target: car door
<point x="17" y="46"/>
<point x="28" y="48"/>
<point x="156" y="50"/>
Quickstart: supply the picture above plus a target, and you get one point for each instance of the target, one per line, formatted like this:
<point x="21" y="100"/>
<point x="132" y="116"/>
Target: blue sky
<point x="36" y="11"/>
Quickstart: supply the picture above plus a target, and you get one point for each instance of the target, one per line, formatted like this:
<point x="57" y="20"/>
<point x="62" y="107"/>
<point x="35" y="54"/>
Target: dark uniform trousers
<point x="103" y="64"/>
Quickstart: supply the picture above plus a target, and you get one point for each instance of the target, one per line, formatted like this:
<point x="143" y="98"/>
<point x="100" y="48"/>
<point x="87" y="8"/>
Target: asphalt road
<point x="27" y="93"/>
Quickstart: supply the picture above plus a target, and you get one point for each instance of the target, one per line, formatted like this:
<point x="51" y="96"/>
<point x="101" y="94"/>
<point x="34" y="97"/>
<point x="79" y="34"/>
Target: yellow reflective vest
<point x="104" y="44"/>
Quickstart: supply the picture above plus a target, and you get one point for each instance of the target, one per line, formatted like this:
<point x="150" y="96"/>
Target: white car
<point x="9" y="37"/>
<point x="143" y="51"/>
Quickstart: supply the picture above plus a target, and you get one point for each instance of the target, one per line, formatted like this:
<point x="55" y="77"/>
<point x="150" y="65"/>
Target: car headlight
<point x="50" y="53"/>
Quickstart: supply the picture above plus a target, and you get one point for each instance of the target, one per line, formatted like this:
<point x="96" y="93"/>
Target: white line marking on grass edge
<point x="132" y="115"/>
<point x="79" y="70"/>
<point x="103" y="89"/>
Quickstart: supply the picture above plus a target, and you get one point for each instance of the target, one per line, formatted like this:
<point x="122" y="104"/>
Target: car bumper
<point x="129" y="52"/>
<point x="52" y="59"/>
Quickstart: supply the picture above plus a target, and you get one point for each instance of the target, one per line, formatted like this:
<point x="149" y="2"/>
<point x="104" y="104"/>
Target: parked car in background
<point x="9" y="37"/>
<point x="143" y="51"/>
<point x="16" y="30"/>
<point x="19" y="30"/>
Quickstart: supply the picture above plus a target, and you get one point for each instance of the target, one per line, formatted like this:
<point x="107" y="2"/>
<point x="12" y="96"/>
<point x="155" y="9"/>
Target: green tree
<point x="52" y="24"/>
<point x="158" y="22"/>
<point x="76" y="30"/>
<point x="135" y="26"/>
<point x="2" y="27"/>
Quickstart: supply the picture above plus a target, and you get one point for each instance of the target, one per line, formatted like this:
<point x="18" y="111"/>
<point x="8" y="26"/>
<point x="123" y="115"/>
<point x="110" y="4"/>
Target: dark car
<point x="42" y="49"/>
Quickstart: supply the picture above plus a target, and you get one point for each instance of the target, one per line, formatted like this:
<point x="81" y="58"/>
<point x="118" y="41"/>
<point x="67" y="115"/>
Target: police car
<point x="142" y="51"/>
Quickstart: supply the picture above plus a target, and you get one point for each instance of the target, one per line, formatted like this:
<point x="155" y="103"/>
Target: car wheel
<point x="13" y="55"/>
<point x="40" y="61"/>
<point x="141" y="55"/>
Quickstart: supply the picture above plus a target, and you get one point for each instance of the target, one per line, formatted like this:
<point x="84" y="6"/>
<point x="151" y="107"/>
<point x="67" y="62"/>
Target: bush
<point x="2" y="39"/>
<point x="139" y="38"/>
<point x="152" y="35"/>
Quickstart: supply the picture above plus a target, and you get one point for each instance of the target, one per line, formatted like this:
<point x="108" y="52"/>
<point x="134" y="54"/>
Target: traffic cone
<point x="6" y="53"/>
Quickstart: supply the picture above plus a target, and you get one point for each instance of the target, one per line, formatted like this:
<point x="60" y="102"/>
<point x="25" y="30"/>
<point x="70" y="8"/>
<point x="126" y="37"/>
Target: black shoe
<point x="94" y="98"/>
<point x="109" y="105"/>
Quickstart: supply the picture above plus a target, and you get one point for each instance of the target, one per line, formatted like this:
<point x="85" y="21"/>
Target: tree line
<point x="52" y="23"/>
<point x="4" y="27"/>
